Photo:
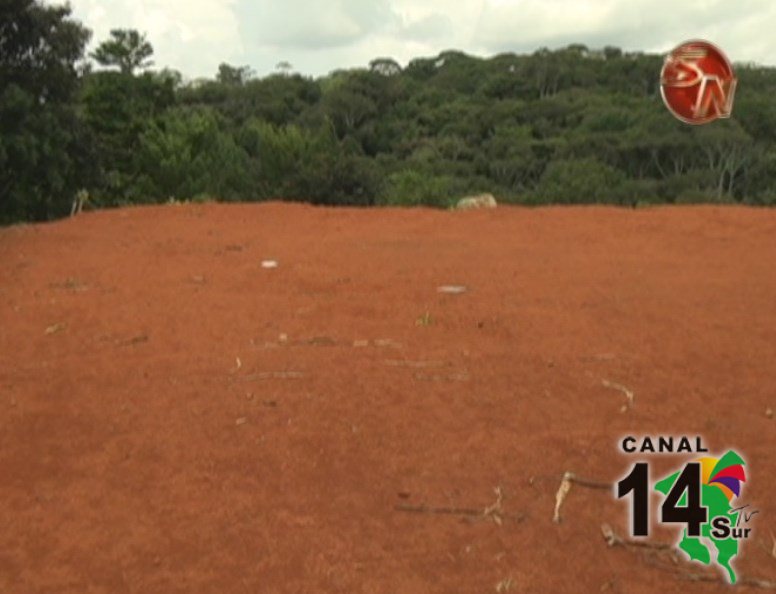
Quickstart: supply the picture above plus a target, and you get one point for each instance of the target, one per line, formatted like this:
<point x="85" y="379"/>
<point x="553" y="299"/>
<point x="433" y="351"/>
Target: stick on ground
<point x="494" y="511"/>
<point x="569" y="478"/>
<point x="628" y="394"/>
<point x="560" y="496"/>
<point x="680" y="569"/>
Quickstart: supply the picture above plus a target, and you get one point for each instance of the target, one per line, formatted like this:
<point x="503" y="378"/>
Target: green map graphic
<point x="718" y="504"/>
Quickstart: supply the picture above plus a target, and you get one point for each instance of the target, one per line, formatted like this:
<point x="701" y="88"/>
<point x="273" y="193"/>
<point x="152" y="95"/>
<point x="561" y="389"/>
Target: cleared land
<point x="174" y="417"/>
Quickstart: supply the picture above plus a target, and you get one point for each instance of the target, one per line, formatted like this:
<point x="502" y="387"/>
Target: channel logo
<point x="697" y="83"/>
<point x="701" y="496"/>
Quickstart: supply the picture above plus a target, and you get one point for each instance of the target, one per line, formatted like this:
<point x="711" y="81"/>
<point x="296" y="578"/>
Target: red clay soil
<point x="176" y="418"/>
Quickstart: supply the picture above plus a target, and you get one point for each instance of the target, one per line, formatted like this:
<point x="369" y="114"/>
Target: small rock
<point x="424" y="320"/>
<point x="769" y="413"/>
<point x="451" y="289"/>
<point x="475" y="202"/>
<point x="241" y="421"/>
<point x="133" y="341"/>
<point x="283" y="338"/>
<point x="268" y="264"/>
<point x="54" y="329"/>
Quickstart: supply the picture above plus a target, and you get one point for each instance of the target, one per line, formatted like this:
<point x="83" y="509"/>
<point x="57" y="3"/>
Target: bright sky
<point x="317" y="36"/>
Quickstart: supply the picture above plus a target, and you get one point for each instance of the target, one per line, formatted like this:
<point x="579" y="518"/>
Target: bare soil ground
<point x="176" y="418"/>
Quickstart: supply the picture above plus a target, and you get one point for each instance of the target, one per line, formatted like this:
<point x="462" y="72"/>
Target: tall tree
<point x="44" y="149"/>
<point x="119" y="109"/>
<point x="127" y="49"/>
<point x="385" y="66"/>
<point x="234" y="75"/>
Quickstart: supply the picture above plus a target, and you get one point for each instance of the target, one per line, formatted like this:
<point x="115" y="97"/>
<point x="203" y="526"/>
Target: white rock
<point x="474" y="202"/>
<point x="451" y="289"/>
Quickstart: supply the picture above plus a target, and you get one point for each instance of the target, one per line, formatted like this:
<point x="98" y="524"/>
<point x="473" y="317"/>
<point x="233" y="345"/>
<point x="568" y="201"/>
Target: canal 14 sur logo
<point x="701" y="496"/>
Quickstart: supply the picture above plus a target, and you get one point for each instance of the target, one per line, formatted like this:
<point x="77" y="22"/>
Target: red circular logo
<point x="697" y="83"/>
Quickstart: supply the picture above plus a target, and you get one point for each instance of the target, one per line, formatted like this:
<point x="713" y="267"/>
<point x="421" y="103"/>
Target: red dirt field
<point x="176" y="418"/>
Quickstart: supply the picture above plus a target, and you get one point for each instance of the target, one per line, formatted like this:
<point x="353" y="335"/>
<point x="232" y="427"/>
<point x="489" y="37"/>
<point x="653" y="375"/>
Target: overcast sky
<point x="317" y="36"/>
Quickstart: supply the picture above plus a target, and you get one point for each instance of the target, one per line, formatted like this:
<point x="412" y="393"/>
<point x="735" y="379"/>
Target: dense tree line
<point x="573" y="125"/>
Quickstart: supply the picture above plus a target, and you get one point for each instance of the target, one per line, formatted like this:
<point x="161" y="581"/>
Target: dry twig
<point x="680" y="569"/>
<point x="494" y="511"/>
<point x="628" y="394"/>
<point x="453" y="377"/>
<point x="272" y="375"/>
<point x="425" y="509"/>
<point x="414" y="364"/>
<point x="505" y="585"/>
<point x="570" y="478"/>
<point x="133" y="341"/>
<point x="613" y="540"/>
<point x="560" y="496"/>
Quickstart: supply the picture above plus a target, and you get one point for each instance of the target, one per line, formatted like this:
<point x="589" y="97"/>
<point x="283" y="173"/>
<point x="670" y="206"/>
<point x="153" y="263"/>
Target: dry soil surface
<point x="177" y="417"/>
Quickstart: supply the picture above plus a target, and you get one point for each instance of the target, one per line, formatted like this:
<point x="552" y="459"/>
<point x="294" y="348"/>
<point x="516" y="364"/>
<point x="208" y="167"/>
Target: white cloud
<point x="429" y="27"/>
<point x="317" y="36"/>
<point x="192" y="36"/>
<point x="312" y="24"/>
<point x="742" y="29"/>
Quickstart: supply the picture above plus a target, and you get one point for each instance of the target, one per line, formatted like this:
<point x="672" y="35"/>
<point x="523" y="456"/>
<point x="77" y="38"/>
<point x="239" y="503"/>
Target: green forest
<point x="573" y="125"/>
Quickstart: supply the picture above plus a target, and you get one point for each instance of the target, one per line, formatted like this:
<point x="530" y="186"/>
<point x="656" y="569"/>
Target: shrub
<point x="580" y="181"/>
<point x="413" y="188"/>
